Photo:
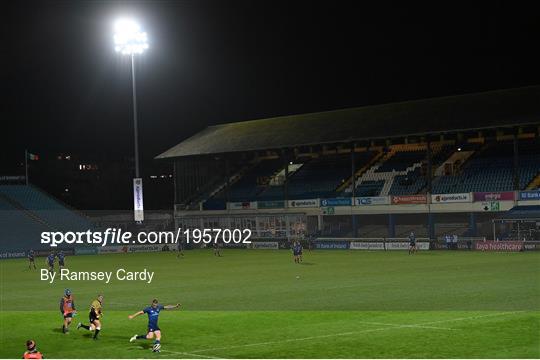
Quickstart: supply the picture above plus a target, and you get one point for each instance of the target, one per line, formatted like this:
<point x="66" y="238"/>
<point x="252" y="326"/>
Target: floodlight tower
<point x="130" y="40"/>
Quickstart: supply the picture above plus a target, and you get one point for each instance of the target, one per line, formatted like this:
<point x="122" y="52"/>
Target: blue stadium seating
<point x="253" y="181"/>
<point x="320" y="177"/>
<point x="369" y="188"/>
<point x="56" y="215"/>
<point x="409" y="184"/>
<point x="492" y="169"/>
<point x="400" y="161"/>
<point x="18" y="230"/>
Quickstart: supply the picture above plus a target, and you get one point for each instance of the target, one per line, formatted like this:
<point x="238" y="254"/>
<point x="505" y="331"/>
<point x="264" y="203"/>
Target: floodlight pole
<point x="135" y="124"/>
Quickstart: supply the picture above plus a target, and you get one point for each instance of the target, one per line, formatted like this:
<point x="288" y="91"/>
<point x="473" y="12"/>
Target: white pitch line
<point x="404" y="325"/>
<point x="389" y="327"/>
<point x="293" y="340"/>
<point x="191" y="355"/>
<point x="473" y="317"/>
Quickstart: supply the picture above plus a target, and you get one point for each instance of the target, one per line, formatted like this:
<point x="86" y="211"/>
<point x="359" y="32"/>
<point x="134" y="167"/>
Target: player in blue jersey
<point x="412" y="243"/>
<point x="180" y="248"/>
<point x="297" y="252"/>
<point x="31" y="259"/>
<point x="153" y="329"/>
<point x="61" y="258"/>
<point x="50" y="262"/>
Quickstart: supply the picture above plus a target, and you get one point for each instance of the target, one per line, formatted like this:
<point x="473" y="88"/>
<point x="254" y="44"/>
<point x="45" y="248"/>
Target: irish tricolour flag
<point x="33" y="156"/>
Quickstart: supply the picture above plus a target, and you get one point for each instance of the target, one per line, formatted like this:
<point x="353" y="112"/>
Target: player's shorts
<point x="295" y="253"/>
<point x="300" y="252"/>
<point x="51" y="265"/>
<point x="68" y="315"/>
<point x="60" y="263"/>
<point x="92" y="316"/>
<point x="153" y="328"/>
<point x="31" y="259"/>
<point x="412" y="244"/>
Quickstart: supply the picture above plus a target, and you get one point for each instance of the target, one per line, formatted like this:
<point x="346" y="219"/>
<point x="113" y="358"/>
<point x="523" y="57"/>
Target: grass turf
<point x="258" y="303"/>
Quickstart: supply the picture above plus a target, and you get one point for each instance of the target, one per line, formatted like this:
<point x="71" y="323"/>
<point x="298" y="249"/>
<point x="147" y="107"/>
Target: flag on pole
<point x="32" y="156"/>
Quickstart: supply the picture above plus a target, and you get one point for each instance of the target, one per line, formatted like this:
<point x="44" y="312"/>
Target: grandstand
<point x="393" y="156"/>
<point x="27" y="211"/>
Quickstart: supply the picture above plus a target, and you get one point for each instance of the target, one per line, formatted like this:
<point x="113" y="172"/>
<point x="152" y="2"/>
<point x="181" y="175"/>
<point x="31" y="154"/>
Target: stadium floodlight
<point x="128" y="37"/>
<point x="130" y="40"/>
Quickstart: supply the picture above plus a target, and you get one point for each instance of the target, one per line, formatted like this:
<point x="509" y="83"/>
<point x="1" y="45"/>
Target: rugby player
<point x="180" y="249"/>
<point x="96" y="312"/>
<point x="412" y="243"/>
<point x="217" y="248"/>
<point x="31" y="351"/>
<point x="153" y="328"/>
<point x="31" y="259"/>
<point x="296" y="252"/>
<point x="61" y="258"/>
<point x="67" y="308"/>
<point x="50" y="262"/>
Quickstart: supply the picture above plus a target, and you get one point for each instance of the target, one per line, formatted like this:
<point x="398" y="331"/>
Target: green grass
<point x="259" y="304"/>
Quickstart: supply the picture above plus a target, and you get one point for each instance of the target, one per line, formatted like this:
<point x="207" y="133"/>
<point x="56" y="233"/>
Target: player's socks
<point x="84" y="326"/>
<point x="141" y="337"/>
<point x="96" y="333"/>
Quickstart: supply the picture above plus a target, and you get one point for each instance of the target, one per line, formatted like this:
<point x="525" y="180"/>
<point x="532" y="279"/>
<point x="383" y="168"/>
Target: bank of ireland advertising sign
<point x="529" y="195"/>
<point x="336" y="202"/>
<point x="332" y="245"/>
<point x="306" y="203"/>
<point x="372" y="200"/>
<point x="451" y="198"/>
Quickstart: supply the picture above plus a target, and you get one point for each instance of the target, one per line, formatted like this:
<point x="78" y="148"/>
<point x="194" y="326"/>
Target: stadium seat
<point x="56" y="215"/>
<point x="491" y="169"/>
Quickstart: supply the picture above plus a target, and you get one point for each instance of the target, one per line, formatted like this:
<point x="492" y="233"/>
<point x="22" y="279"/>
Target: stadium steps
<point x="266" y="187"/>
<point x="381" y="159"/>
<point x="51" y="210"/>
<point x="347" y="185"/>
<point x="535" y="183"/>
<point x="217" y="189"/>
<point x="372" y="174"/>
<point x="19" y="207"/>
<point x="61" y="202"/>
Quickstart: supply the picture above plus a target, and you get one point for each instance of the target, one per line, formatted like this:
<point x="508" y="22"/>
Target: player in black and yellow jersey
<point x="96" y="312"/>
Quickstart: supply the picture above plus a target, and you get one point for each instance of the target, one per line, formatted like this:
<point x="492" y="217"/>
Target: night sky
<point x="66" y="90"/>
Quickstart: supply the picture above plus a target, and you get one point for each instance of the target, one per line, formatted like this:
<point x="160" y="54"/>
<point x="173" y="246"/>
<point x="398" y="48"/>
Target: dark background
<point x="65" y="90"/>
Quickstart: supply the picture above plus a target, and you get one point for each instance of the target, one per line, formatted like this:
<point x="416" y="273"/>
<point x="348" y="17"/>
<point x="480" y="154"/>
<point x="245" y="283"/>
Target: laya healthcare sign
<point x="451" y="198"/>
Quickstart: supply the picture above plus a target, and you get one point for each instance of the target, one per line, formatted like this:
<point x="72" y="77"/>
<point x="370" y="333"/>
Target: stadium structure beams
<point x="516" y="161"/>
